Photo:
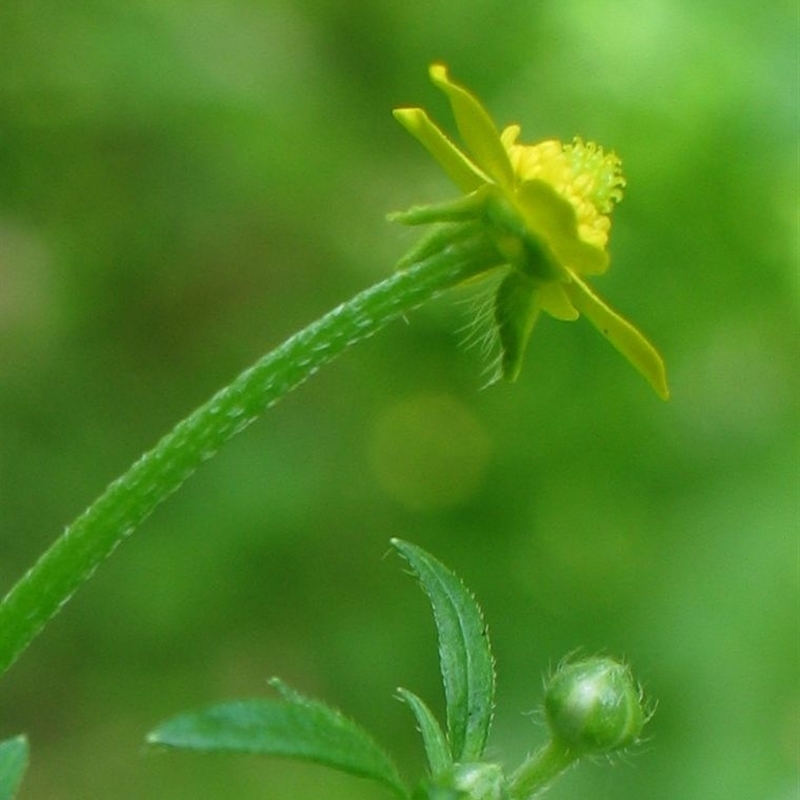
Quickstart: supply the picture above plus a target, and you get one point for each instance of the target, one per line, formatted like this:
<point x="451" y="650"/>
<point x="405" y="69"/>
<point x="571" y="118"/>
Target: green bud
<point x="594" y="706"/>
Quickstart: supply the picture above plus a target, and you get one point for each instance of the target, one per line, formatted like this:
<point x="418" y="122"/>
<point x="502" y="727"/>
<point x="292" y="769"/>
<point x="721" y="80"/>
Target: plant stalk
<point x="124" y="505"/>
<point x="539" y="771"/>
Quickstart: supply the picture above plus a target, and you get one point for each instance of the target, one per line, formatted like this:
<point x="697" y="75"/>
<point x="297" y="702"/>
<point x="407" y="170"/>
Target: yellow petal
<point x="553" y="299"/>
<point x="458" y="167"/>
<point x="476" y="128"/>
<point x="629" y="341"/>
<point x="510" y="135"/>
<point x="551" y="216"/>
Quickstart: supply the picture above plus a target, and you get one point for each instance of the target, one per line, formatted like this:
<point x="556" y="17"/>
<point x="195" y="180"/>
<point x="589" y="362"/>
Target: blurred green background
<point x="184" y="184"/>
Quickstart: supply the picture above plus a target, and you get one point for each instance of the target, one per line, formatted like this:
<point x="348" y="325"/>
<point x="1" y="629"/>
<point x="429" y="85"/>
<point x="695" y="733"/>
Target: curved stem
<point x="540" y="770"/>
<point x="74" y="556"/>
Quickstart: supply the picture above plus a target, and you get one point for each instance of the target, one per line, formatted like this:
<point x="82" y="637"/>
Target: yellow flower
<point x="546" y="208"/>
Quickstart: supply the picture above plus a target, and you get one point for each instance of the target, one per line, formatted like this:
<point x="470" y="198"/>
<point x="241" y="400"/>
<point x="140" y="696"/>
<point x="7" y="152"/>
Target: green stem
<point x="540" y="770"/>
<point x="75" y="555"/>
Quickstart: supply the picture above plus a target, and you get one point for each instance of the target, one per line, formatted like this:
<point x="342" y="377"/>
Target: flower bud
<point x="594" y="706"/>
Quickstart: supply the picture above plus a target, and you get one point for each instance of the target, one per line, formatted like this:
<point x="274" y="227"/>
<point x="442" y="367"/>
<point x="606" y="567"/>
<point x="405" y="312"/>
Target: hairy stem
<point x="74" y="556"/>
<point x="540" y="770"/>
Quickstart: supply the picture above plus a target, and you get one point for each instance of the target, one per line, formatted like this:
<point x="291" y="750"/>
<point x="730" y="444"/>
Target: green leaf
<point x="294" y="726"/>
<point x="13" y="763"/>
<point x="436" y="747"/>
<point x="464" y="652"/>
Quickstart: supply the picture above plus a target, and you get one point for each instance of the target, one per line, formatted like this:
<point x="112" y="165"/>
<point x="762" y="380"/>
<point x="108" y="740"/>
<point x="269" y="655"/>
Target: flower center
<point x="599" y="174"/>
<point x="582" y="173"/>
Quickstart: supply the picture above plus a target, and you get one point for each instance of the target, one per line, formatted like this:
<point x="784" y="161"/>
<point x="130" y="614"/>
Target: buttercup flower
<point x="546" y="208"/>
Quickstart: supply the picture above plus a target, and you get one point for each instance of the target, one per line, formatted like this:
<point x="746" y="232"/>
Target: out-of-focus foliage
<point x="185" y="184"/>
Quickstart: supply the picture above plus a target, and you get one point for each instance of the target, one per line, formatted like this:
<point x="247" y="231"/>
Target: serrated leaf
<point x="464" y="652"/>
<point x="433" y="738"/>
<point x="294" y="726"/>
<point x="14" y="754"/>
